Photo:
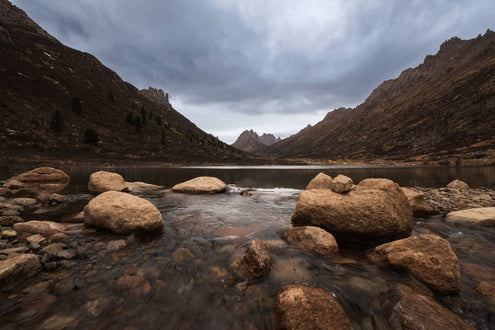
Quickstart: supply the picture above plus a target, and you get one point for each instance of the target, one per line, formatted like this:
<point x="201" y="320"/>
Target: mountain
<point x="250" y="141"/>
<point x="441" y="111"/>
<point x="58" y="103"/>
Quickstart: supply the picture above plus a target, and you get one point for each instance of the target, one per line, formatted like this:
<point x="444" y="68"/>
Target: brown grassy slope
<point x="445" y="106"/>
<point x="39" y="75"/>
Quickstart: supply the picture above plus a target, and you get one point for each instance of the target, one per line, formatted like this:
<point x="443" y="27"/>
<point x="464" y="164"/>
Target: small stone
<point x="33" y="246"/>
<point x="59" y="322"/>
<point x="19" y="249"/>
<point x="116" y="245"/>
<point x="485" y="288"/>
<point x="256" y="261"/>
<point x="9" y="233"/>
<point x="50" y="265"/>
<point x="57" y="237"/>
<point x="10" y="213"/>
<point x="53" y="249"/>
<point x="341" y="184"/>
<point x="64" y="286"/>
<point x="312" y="240"/>
<point x="10" y="220"/>
<point x="67" y="254"/>
<point x="24" y="202"/>
<point x="35" y="238"/>
<point x="182" y="254"/>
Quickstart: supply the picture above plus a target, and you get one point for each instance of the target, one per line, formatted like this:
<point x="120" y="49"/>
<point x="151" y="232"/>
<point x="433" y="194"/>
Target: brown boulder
<point x="342" y="184"/>
<point x="105" y="181"/>
<point x="141" y="187"/>
<point x="122" y="213"/>
<point x="40" y="179"/>
<point x="201" y="185"/>
<point x="321" y="181"/>
<point x="312" y="240"/>
<point x="18" y="267"/>
<point x="256" y="261"/>
<point x="428" y="257"/>
<point x="375" y="211"/>
<point x="485" y="288"/>
<point x="44" y="228"/>
<point x="484" y="216"/>
<point x="302" y="307"/>
<point x="458" y="184"/>
<point x="418" y="203"/>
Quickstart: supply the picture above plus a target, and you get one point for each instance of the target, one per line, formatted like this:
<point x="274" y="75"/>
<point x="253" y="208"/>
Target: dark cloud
<point x="252" y="59"/>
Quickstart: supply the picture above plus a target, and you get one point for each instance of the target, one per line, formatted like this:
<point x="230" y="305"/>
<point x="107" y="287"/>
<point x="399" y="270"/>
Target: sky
<point x="273" y="66"/>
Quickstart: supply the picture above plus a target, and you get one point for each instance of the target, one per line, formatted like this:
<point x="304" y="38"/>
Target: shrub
<point x="158" y="120"/>
<point x="137" y="124"/>
<point x="91" y="137"/>
<point x="129" y="118"/>
<point x="76" y="105"/>
<point x="143" y="115"/>
<point x="57" y="122"/>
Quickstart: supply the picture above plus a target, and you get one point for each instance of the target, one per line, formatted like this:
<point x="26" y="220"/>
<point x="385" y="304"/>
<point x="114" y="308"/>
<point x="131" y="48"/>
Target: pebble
<point x="19" y="249"/>
<point x="36" y="238"/>
<point x="9" y="233"/>
<point x="67" y="254"/>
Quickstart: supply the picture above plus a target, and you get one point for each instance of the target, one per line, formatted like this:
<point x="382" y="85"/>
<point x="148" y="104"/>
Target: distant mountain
<point x="250" y="141"/>
<point x="443" y="110"/>
<point x="57" y="103"/>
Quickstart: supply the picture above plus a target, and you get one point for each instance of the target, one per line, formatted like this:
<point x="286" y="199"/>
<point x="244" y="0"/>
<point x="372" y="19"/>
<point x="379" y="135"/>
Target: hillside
<point x="250" y="141"/>
<point x="50" y="95"/>
<point x="441" y="111"/>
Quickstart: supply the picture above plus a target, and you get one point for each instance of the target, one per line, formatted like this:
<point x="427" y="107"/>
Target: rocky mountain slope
<point x="441" y="111"/>
<point x="250" y="141"/>
<point x="60" y="103"/>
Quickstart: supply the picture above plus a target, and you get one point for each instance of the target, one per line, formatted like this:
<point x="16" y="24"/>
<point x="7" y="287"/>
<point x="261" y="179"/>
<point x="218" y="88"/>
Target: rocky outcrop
<point x="484" y="216"/>
<point x="303" y="307"/>
<point x="458" y="184"/>
<point x="102" y="181"/>
<point x="428" y="257"/>
<point x="122" y="213"/>
<point x="256" y="261"/>
<point x="156" y="95"/>
<point x="44" y="228"/>
<point x="418" y="203"/>
<point x="35" y="181"/>
<point x="201" y="185"/>
<point x="321" y="181"/>
<point x="313" y="240"/>
<point x="18" y="266"/>
<point x="408" y="309"/>
<point x="250" y="141"/>
<point x="375" y="211"/>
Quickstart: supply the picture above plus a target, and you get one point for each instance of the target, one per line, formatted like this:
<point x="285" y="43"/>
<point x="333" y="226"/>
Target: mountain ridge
<point x="250" y="141"/>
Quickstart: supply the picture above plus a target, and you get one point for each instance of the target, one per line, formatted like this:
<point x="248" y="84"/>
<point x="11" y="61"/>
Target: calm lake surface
<point x="142" y="286"/>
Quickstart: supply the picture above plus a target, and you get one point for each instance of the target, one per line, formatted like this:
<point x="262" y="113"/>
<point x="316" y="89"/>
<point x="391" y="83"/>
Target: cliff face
<point x="250" y="141"/>
<point x="51" y="94"/>
<point x="442" y="109"/>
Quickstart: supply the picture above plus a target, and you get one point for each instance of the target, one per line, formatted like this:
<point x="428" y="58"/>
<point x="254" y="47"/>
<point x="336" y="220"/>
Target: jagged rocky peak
<point x="250" y="141"/>
<point x="156" y="95"/>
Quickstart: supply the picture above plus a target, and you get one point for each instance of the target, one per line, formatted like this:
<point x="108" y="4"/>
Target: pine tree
<point x="129" y="118"/>
<point x="137" y="124"/>
<point x="76" y="105"/>
<point x="91" y="137"/>
<point x="57" y="122"/>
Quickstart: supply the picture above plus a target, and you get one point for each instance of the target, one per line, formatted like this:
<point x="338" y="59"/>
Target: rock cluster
<point x="103" y="181"/>
<point x="340" y="184"/>
<point x="418" y="203"/>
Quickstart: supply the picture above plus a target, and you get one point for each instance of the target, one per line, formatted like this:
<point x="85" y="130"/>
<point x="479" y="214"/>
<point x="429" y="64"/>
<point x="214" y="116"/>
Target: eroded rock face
<point x="418" y="203"/>
<point x="255" y="263"/>
<point x="428" y="257"/>
<point x="37" y="180"/>
<point x="458" y="184"/>
<point x="201" y="185"/>
<point x="18" y="266"/>
<point x="302" y="307"/>
<point x="313" y="240"/>
<point x="408" y="309"/>
<point x="373" y="212"/>
<point x="122" y="213"/>
<point x="321" y="181"/>
<point x="44" y="228"/>
<point x="484" y="216"/>
<point x="102" y="181"/>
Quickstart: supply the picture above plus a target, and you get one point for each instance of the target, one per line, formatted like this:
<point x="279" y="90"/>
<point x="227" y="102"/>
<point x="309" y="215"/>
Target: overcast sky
<point x="269" y="65"/>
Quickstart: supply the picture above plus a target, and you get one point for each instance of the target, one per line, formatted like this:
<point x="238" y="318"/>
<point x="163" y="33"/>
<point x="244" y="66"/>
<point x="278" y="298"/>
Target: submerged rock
<point x="428" y="257"/>
<point x="44" y="228"/>
<point x="122" y="213"/>
<point x="255" y="263"/>
<point x="141" y="187"/>
<point x="37" y="180"/>
<point x="484" y="216"/>
<point x="418" y="203"/>
<point x="302" y="307"/>
<point x="201" y="185"/>
<point x="458" y="184"/>
<point x="103" y="181"/>
<point x="321" y="181"/>
<point x="18" y="266"/>
<point x="312" y="240"/>
<point x="182" y="254"/>
<point x="375" y="211"/>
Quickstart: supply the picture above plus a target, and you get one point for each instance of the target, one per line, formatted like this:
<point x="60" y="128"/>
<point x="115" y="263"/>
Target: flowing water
<point x="145" y="286"/>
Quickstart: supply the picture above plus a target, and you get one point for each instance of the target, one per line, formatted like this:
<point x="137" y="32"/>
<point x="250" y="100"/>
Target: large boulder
<point x="313" y="240"/>
<point x="256" y="261"/>
<point x="37" y="180"/>
<point x="102" y="181"/>
<point x="18" y="267"/>
<point x="407" y="309"/>
<point x="458" y="184"/>
<point x="418" y="203"/>
<point x="122" y="213"/>
<point x="44" y="228"/>
<point x="321" y="181"/>
<point x="373" y="212"/>
<point x="201" y="185"/>
<point x="428" y="257"/>
<point x="302" y="307"/>
<point x="484" y="216"/>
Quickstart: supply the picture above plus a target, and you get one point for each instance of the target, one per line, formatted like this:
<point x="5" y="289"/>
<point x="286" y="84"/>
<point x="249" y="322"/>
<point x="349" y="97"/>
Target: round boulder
<point x="321" y="181"/>
<point x="313" y="240"/>
<point x="342" y="184"/>
<point x="105" y="181"/>
<point x="201" y="185"/>
<point x="122" y="213"/>
<point x="458" y="184"/>
<point x="40" y="179"/>
<point x="428" y="257"/>
<point x="373" y="212"/>
<point x="302" y="307"/>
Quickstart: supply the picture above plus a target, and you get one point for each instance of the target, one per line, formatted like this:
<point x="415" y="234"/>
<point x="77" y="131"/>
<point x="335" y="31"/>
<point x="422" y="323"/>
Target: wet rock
<point x="44" y="228"/>
<point x="67" y="254"/>
<point x="313" y="240"/>
<point x="418" y="203"/>
<point x="52" y="265"/>
<point x="484" y="216"/>
<point x="217" y="272"/>
<point x="18" y="266"/>
<point x="116" y="245"/>
<point x="201" y="185"/>
<point x="133" y="284"/>
<point x="64" y="286"/>
<point x="18" y="249"/>
<point x="9" y="233"/>
<point x="233" y="232"/>
<point x="24" y="202"/>
<point x="485" y="288"/>
<point x="105" y="181"/>
<point x="122" y="213"/>
<point x="35" y="238"/>
<point x="141" y="187"/>
<point x="321" y="181"/>
<point x="48" y="198"/>
<point x="97" y="306"/>
<point x="407" y="309"/>
<point x="428" y="257"/>
<point x="302" y="307"/>
<point x="39" y="179"/>
<point x="59" y="322"/>
<point x="57" y="237"/>
<point x="10" y="213"/>
<point x="39" y="287"/>
<point x="341" y="184"/>
<point x="256" y="261"/>
<point x="53" y="249"/>
<point x="375" y="211"/>
<point x="291" y="270"/>
<point x="9" y="221"/>
<point x="458" y="184"/>
<point x="182" y="254"/>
